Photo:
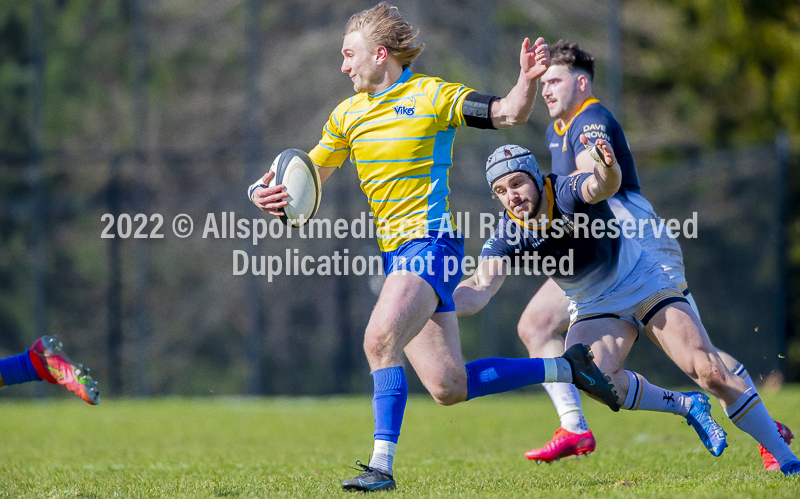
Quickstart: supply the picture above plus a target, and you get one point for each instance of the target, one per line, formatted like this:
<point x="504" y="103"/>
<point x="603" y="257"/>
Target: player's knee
<point x="527" y="332"/>
<point x="376" y="344"/>
<point x="536" y="332"/>
<point x="447" y="386"/>
<point x="448" y="394"/>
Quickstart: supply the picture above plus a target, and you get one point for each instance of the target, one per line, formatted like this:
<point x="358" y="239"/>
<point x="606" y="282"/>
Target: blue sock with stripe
<point x="498" y="375"/>
<point x="18" y="369"/>
<point x="389" y="402"/>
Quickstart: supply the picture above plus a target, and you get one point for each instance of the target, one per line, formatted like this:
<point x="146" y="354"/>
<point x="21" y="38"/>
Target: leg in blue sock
<point x="17" y="369"/>
<point x="389" y="402"/>
<point x="388" y="406"/>
<point x="498" y="375"/>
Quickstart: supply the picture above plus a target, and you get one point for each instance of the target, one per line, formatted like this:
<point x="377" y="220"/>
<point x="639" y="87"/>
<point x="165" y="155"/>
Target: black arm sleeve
<point x="477" y="110"/>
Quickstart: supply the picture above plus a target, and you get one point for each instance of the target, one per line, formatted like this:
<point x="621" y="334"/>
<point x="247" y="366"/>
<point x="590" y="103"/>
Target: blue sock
<point x="18" y="369"/>
<point x="498" y="375"/>
<point x="389" y="402"/>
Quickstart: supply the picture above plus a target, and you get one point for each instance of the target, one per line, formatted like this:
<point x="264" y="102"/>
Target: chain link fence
<point x="213" y="100"/>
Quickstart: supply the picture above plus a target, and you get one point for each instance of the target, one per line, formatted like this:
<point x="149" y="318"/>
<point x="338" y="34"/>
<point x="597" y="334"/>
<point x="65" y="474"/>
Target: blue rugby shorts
<point x="438" y="260"/>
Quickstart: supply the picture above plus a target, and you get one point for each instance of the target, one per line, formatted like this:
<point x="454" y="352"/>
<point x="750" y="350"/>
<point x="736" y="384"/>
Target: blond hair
<point x="384" y="26"/>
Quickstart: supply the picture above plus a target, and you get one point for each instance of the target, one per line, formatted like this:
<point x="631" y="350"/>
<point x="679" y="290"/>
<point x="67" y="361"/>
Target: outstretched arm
<point x="515" y="108"/>
<point x="474" y="293"/>
<point x="607" y="175"/>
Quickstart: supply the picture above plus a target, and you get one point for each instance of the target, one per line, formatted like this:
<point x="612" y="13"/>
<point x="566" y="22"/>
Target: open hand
<point x="603" y="153"/>
<point x="534" y="60"/>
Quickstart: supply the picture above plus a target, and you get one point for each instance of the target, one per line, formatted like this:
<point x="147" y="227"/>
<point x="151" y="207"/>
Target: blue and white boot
<point x="710" y="432"/>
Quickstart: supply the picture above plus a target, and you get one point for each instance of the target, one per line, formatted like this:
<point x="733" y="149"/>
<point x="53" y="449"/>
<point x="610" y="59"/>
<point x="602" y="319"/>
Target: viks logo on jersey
<point x="406" y="108"/>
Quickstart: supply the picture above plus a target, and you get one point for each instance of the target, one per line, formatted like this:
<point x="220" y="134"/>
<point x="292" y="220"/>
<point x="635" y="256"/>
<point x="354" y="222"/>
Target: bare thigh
<point x="678" y="331"/>
<point x="435" y="354"/>
<point x="544" y="321"/>
<point x="404" y="306"/>
<point x="611" y="341"/>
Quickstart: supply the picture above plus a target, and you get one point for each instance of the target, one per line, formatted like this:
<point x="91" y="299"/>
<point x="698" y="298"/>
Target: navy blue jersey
<point x="597" y="264"/>
<point x="596" y="122"/>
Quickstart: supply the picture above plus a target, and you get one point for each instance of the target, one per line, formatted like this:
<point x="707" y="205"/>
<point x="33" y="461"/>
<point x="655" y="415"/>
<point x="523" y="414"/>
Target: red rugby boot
<point x="563" y="444"/>
<point x="53" y="366"/>
<point x="770" y="463"/>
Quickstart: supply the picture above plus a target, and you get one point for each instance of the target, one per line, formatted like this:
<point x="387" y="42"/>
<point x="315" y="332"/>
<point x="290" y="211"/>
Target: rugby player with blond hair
<point x="398" y="131"/>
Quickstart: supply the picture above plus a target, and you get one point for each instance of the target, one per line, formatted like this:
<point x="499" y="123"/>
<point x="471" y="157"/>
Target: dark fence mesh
<point x="168" y="315"/>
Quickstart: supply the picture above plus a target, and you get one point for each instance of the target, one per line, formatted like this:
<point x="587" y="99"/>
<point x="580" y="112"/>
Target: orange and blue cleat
<point x="53" y="366"/>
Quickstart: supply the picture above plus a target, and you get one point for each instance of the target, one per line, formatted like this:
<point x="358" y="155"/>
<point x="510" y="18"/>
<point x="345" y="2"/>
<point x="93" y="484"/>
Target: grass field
<point x="300" y="447"/>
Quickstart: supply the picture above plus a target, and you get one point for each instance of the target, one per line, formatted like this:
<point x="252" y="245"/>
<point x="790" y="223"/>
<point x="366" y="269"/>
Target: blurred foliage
<point x="14" y="146"/>
<point x="713" y="73"/>
<point x="699" y="75"/>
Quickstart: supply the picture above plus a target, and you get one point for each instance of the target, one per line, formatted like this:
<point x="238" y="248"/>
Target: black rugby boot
<point x="371" y="480"/>
<point x="588" y="377"/>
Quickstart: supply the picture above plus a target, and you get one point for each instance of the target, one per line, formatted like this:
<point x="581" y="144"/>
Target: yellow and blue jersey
<point x="401" y="142"/>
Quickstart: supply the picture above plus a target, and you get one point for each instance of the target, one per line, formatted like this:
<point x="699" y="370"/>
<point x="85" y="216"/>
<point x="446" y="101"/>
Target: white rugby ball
<point x="295" y="170"/>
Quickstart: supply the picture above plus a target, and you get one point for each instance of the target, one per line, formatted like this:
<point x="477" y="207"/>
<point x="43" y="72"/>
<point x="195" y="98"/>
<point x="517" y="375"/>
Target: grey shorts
<point x="664" y="249"/>
<point x="637" y="298"/>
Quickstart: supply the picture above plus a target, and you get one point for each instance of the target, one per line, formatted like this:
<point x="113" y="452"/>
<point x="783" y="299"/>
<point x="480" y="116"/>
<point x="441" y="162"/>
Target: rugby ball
<point x="295" y="170"/>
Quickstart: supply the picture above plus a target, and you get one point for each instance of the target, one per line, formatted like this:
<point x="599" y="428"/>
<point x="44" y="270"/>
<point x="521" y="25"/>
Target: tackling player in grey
<point x="567" y="92"/>
<point x="616" y="288"/>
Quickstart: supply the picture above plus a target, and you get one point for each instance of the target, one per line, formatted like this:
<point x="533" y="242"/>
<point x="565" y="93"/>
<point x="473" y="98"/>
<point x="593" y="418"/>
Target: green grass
<point x="302" y="446"/>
